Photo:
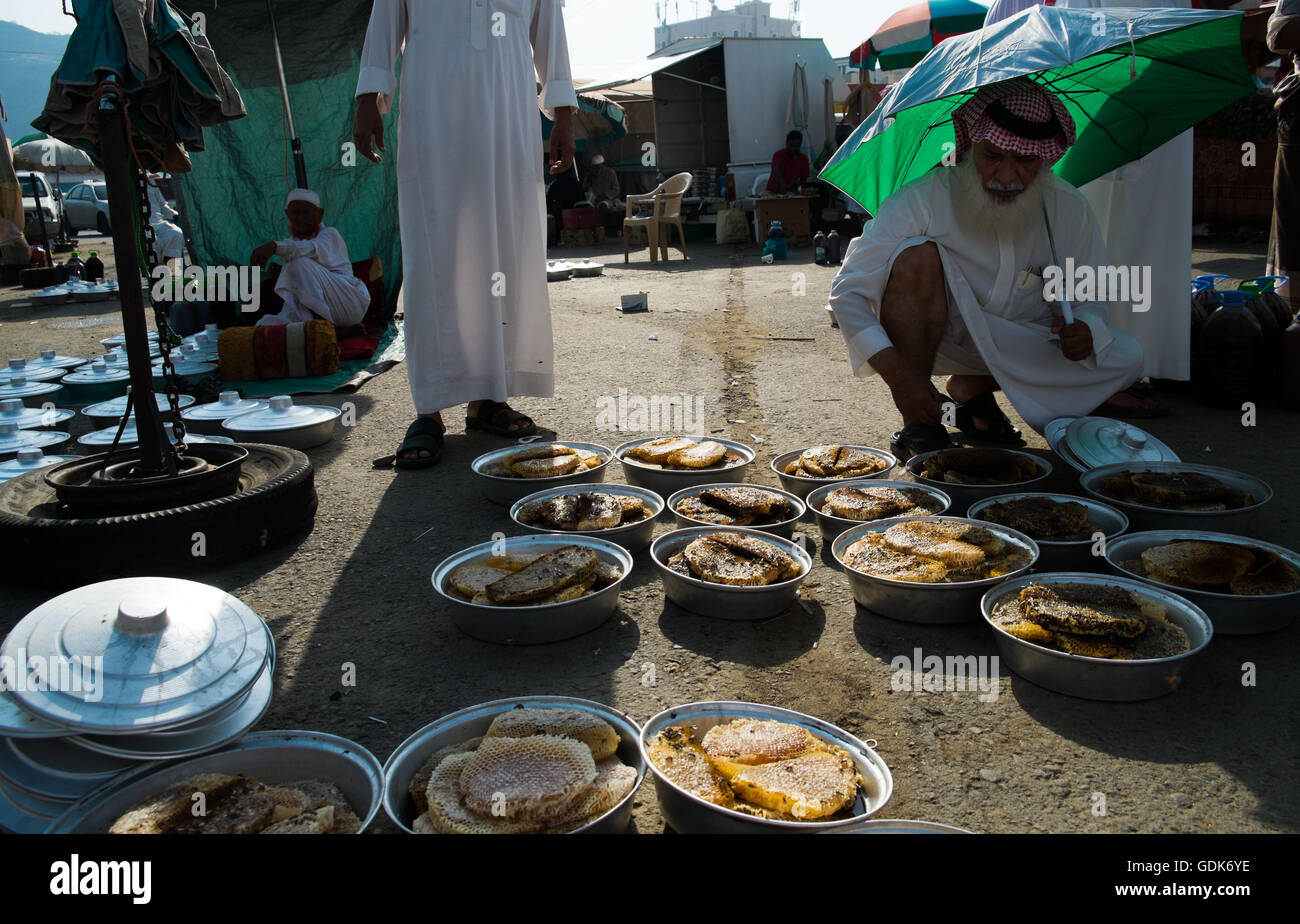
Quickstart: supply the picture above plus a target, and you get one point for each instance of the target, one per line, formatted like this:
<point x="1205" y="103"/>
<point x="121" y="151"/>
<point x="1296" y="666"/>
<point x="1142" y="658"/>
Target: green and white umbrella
<point x="1131" y="80"/>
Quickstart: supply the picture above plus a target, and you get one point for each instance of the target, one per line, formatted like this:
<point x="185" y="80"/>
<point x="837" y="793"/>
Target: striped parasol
<point x="905" y="38"/>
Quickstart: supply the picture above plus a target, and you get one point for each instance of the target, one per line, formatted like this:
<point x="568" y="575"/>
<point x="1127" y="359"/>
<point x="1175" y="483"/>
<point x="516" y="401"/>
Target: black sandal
<point x="424" y="433"/>
<point x="495" y="417"/>
<point x="1000" y="429"/>
<point x="916" y="438"/>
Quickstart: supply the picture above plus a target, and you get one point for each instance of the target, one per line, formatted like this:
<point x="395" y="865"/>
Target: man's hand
<point x="368" y="124"/>
<point x="262" y="254"/>
<point x="1076" y="339"/>
<point x="562" y="146"/>
<point x="917" y="400"/>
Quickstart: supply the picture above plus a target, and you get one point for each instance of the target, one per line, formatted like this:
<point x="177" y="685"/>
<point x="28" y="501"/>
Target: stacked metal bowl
<point x="111" y="674"/>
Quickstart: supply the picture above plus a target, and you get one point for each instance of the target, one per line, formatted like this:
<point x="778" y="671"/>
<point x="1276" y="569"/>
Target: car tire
<point x="102" y="225"/>
<point x="277" y="501"/>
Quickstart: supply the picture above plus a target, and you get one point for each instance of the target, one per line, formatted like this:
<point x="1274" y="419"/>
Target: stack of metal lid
<point x="97" y="382"/>
<point x="120" y="339"/>
<point x="111" y="674"/>
<point x="1089" y="442"/>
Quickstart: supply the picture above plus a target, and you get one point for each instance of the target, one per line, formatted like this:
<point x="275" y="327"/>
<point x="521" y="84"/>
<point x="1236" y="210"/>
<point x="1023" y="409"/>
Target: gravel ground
<point x="753" y="343"/>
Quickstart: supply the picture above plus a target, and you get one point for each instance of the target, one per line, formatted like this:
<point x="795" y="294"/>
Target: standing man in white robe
<point x="317" y="281"/>
<point x="470" y="199"/>
<point x="949" y="278"/>
<point x="1145" y="212"/>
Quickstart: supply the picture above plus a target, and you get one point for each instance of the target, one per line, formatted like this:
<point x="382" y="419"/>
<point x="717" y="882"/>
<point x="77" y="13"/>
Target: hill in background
<point x="27" y="61"/>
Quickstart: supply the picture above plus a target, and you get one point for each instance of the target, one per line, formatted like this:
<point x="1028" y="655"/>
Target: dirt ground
<point x="1218" y="755"/>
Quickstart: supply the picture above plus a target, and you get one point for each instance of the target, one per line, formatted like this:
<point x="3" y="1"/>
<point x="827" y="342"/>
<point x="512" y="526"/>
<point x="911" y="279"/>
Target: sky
<point x="603" y="32"/>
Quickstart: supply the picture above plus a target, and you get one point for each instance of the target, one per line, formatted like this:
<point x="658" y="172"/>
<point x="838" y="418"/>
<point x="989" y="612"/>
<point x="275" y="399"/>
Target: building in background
<point x="751" y="19"/>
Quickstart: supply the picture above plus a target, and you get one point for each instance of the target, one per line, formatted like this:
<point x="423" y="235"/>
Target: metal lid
<point x="121" y="338"/>
<point x="228" y="405"/>
<point x="116" y="407"/>
<point x="1097" y="441"/>
<point x="17" y="386"/>
<point x="53" y="358"/>
<point x="283" y="414"/>
<point x="56" y="770"/>
<point x="184" y="367"/>
<point x="13" y="439"/>
<point x="136" y="654"/>
<point x="19" y="366"/>
<point x="17" y="722"/>
<point x="28" y="460"/>
<point x="193" y="739"/>
<point x="98" y="374"/>
<point x="106" y="436"/>
<point x="12" y="410"/>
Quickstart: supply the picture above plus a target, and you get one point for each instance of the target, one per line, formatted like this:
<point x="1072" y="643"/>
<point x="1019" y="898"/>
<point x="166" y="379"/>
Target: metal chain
<point x="161" y="310"/>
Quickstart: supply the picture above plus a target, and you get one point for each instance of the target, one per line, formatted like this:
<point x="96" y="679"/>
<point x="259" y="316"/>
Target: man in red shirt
<point x="788" y="165"/>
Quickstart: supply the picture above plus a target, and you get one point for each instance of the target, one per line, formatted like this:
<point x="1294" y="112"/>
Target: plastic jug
<point x="833" y="248"/>
<point x="819" y="249"/>
<point x="94" y="268"/>
<point x="74" y="266"/>
<point x="1227" y="366"/>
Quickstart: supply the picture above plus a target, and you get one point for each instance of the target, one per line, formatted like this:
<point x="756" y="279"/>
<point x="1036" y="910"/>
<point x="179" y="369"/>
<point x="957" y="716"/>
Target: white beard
<point x="980" y="209"/>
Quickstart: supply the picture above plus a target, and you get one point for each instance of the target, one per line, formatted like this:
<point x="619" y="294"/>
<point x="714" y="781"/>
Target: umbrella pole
<point x="124" y="218"/>
<point x="299" y="164"/>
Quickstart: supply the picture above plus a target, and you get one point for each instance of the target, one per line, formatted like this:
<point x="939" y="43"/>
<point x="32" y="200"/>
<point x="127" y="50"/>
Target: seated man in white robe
<point x="949" y="278"/>
<point x="317" y="280"/>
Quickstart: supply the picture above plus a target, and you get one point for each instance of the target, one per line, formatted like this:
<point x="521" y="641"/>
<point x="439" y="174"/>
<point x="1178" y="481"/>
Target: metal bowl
<point x="558" y="270"/>
<point x="963" y="495"/>
<point x="634" y="536"/>
<point x="273" y="757"/>
<point x="909" y="601"/>
<point x="1142" y="517"/>
<point x="505" y="491"/>
<point x="1100" y="678"/>
<point x="726" y="601"/>
<point x="1077" y="555"/>
<point x="665" y="482"/>
<point x="405" y="762"/>
<point x="688" y="814"/>
<point x="533" y="625"/>
<point x="801" y="486"/>
<point x="283" y="423"/>
<point x="1232" y="614"/>
<point x="784" y="528"/>
<point x="832" y="527"/>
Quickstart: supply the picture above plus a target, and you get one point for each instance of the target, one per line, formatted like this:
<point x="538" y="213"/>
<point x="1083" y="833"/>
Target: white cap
<point x="302" y="195"/>
<point x="598" y="159"/>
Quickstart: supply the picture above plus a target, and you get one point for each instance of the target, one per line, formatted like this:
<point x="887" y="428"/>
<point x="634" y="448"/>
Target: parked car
<point x="87" y="207"/>
<point x="34" y="184"/>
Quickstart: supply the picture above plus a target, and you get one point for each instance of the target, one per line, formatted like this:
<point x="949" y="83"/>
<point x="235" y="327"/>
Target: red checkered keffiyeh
<point x="1015" y="115"/>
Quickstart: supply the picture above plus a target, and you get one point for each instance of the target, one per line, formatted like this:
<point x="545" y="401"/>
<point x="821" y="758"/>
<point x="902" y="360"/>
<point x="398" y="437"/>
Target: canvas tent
<point x="233" y="199"/>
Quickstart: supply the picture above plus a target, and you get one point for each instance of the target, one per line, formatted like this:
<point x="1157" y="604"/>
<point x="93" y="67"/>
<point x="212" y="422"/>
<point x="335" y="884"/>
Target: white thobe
<point x="470" y="198"/>
<point x="998" y="322"/>
<point x="317" y="282"/>
<point x="1145" y="212"/>
<point x="168" y="239"/>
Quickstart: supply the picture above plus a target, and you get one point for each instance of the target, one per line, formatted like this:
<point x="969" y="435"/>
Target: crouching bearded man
<point x="948" y="279"/>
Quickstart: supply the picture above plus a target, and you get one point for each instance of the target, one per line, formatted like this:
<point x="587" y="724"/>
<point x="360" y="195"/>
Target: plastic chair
<point x="666" y="211"/>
